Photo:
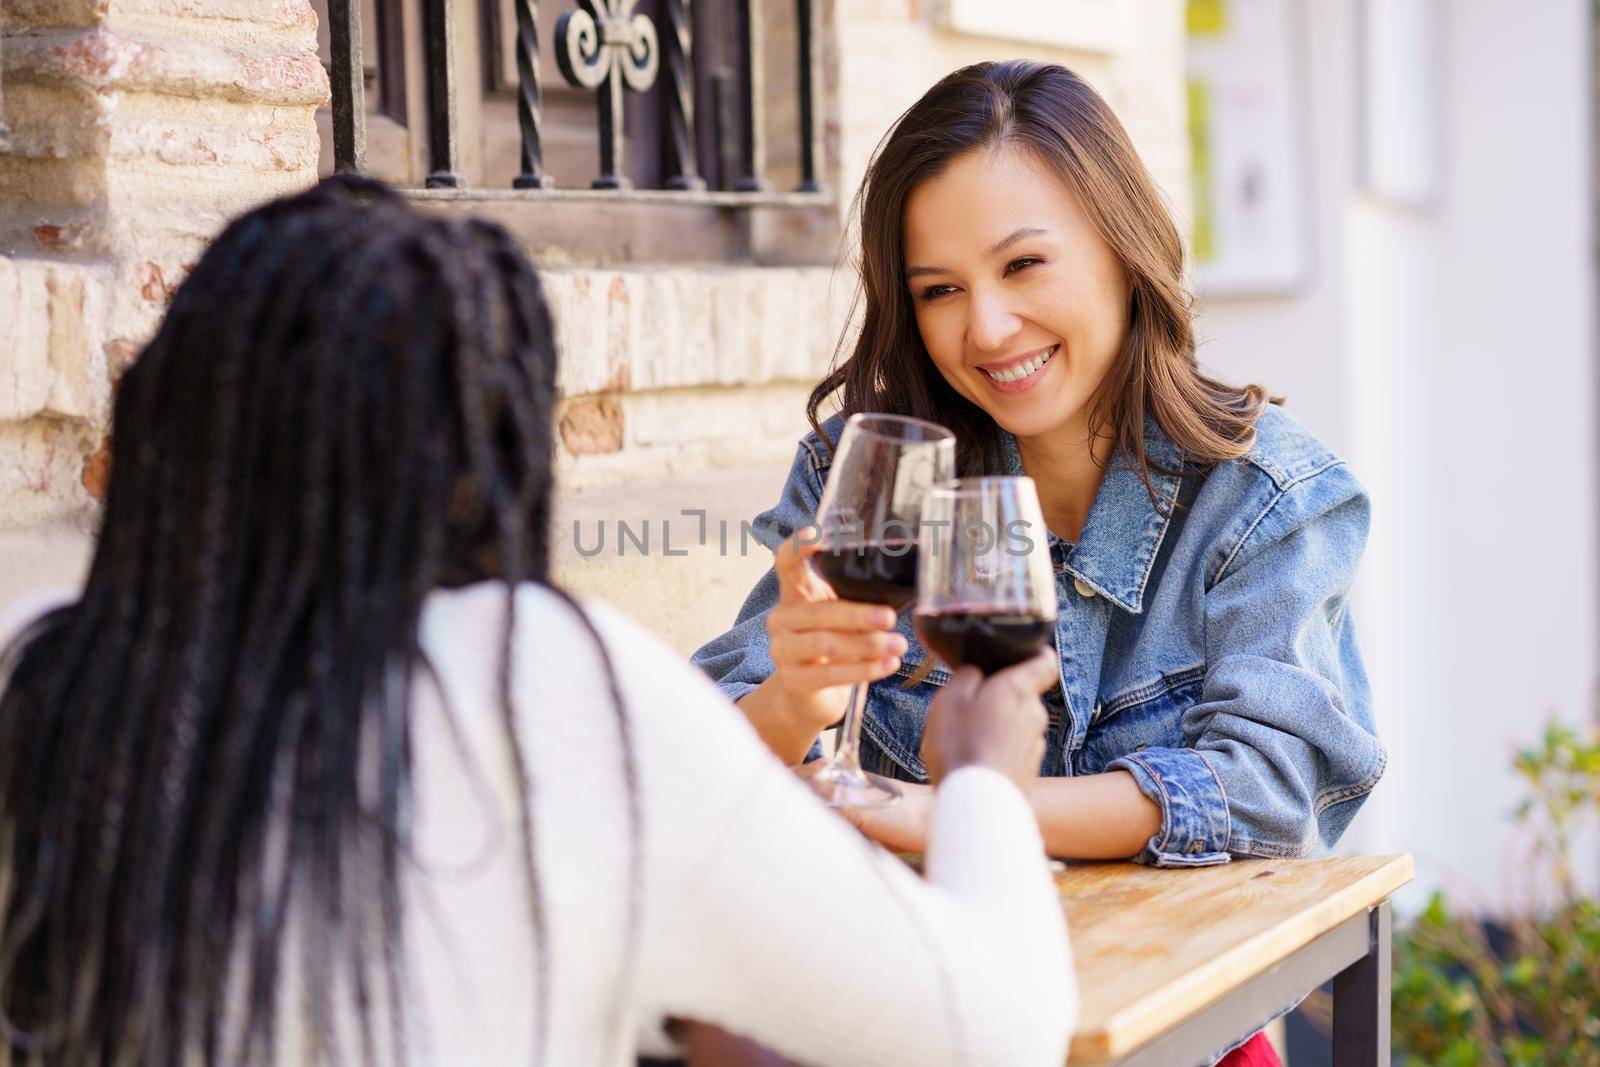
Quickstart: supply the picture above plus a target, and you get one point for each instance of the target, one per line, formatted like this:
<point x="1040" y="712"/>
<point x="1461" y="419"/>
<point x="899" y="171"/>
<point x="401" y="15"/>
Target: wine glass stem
<point x="848" y="751"/>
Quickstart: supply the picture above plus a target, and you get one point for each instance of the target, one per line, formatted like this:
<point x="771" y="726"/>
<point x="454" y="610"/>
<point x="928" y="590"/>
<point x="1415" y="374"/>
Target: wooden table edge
<point x="1130" y="1029"/>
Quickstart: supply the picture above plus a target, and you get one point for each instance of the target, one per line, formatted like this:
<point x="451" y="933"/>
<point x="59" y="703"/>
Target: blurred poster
<point x="1249" y="221"/>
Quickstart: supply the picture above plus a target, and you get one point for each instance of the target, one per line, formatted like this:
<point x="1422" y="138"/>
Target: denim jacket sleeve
<point x="739" y="660"/>
<point x="1280" y="748"/>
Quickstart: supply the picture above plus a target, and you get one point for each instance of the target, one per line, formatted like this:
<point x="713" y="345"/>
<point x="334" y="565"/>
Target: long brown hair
<point x="1052" y="113"/>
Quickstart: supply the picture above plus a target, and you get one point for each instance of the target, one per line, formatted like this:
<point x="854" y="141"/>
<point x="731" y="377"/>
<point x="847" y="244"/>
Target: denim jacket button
<point x="1083" y="587"/>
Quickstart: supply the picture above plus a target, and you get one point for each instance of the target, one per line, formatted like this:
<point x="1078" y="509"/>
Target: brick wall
<point x="138" y="127"/>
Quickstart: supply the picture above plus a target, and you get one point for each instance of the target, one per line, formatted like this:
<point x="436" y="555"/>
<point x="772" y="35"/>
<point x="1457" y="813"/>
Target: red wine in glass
<point x="985" y="598"/>
<point x="881" y="572"/>
<point x="867" y="522"/>
<point x="984" y="636"/>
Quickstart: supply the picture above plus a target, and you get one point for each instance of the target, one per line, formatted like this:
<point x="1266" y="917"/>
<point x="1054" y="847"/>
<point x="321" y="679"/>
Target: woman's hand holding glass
<point x="995" y="721"/>
<point x="821" y="645"/>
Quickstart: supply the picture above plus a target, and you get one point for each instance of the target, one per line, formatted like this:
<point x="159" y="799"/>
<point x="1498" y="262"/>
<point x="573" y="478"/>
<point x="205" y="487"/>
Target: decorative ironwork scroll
<point x="606" y="46"/>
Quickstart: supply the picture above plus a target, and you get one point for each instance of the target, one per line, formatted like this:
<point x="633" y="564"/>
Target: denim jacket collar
<point x="1124" y="530"/>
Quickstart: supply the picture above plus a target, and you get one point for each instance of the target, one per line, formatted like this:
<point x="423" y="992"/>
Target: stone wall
<point x="667" y="370"/>
<point x="138" y="127"/>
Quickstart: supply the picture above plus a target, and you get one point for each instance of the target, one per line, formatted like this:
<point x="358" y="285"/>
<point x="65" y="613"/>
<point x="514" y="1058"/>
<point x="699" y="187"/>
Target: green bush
<point x="1527" y="992"/>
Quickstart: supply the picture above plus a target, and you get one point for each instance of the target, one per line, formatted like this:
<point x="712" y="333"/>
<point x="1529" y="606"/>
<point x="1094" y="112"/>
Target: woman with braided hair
<point x="320" y="767"/>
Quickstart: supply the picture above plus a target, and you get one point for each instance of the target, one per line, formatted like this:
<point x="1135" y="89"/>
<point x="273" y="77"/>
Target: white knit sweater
<point x="761" y="911"/>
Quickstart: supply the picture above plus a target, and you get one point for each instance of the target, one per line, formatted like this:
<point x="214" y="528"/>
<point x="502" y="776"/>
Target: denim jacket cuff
<point x="1194" y="806"/>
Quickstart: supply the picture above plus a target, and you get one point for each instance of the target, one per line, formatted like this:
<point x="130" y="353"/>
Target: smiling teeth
<point x="1021" y="370"/>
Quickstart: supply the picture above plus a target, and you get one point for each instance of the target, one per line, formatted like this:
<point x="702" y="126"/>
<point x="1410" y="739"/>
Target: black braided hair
<point x="348" y="405"/>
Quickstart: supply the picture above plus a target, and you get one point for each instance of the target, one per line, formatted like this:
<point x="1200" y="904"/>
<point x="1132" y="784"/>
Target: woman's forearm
<point x="1096" y="817"/>
<point x="788" y="738"/>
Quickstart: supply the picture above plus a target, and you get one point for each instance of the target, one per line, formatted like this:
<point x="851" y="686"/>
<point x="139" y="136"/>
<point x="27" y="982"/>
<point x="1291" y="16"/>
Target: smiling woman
<point x="1022" y="284"/>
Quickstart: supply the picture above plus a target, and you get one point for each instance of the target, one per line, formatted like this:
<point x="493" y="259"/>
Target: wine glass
<point x="986" y="594"/>
<point x="868" y="521"/>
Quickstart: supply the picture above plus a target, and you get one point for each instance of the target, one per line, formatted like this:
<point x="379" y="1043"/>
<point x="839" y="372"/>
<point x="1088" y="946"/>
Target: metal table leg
<point x="1361" y="1001"/>
<point x="1240" y="1011"/>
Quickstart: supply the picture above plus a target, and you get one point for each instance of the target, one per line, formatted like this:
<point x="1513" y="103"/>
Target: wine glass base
<point x="851" y="787"/>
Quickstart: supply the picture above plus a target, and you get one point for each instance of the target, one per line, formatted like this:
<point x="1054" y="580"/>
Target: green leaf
<point x="1444" y="976"/>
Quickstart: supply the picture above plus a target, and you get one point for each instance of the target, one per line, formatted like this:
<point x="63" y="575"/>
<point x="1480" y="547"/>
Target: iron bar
<point x="349" y="86"/>
<point x="444" y="145"/>
<point x="754" y="146"/>
<point x="678" y="48"/>
<point x="808" y="14"/>
<point x="530" y="102"/>
<point x="609" y="120"/>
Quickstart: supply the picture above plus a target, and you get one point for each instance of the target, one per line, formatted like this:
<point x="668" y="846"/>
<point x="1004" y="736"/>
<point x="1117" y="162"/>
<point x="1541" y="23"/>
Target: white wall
<point x="1448" y="349"/>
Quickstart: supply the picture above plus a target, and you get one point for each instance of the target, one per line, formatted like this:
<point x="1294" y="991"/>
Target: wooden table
<point x="1174" y="965"/>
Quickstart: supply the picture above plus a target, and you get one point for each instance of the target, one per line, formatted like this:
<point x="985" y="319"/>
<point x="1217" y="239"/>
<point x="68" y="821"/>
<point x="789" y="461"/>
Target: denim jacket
<point x="1207" y="649"/>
